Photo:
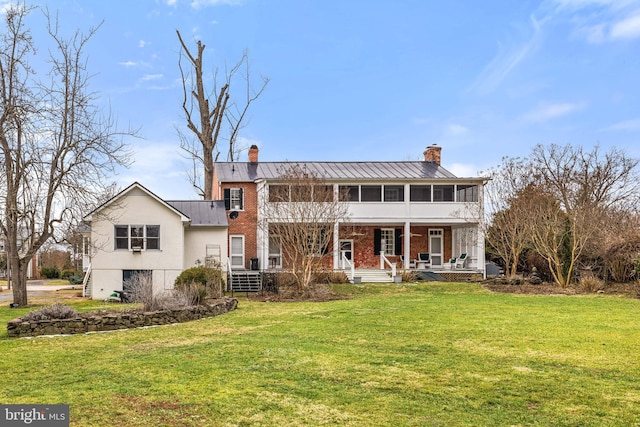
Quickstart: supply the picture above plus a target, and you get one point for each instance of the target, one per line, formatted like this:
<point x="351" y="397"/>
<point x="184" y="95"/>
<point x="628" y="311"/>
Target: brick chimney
<point x="432" y="154"/>
<point x="253" y="154"/>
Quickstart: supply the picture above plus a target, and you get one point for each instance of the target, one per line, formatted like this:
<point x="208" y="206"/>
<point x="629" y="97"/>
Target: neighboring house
<point x="397" y="209"/>
<point x="136" y="232"/>
<point x="32" y="267"/>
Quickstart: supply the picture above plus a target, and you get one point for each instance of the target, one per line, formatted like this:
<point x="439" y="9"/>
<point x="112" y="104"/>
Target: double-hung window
<point x="131" y="237"/>
<point x="234" y="199"/>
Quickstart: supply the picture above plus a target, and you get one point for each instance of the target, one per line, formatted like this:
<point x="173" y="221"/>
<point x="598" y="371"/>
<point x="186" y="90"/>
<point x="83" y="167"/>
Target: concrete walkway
<point x="35" y="288"/>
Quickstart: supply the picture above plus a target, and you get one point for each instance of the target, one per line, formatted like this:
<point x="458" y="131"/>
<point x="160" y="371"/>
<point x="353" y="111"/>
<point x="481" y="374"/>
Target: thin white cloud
<point x="5" y="5"/>
<point x="628" y="28"/>
<point x="456" y="130"/>
<point x="598" y="21"/>
<point x="197" y="4"/>
<point x="142" y="43"/>
<point x="506" y="61"/>
<point x="547" y="112"/>
<point x="171" y="3"/>
<point x="627" y="125"/>
<point x="462" y="170"/>
<point x="149" y="77"/>
<point x="128" y="64"/>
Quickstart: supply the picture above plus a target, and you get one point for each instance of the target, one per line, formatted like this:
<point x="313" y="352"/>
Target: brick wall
<point x="246" y="222"/>
<point x="363" y="243"/>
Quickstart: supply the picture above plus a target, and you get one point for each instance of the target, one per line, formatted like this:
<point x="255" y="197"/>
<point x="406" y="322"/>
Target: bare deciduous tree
<point x="211" y="114"/>
<point x="507" y="211"/>
<point x="585" y="185"/>
<point x="299" y="216"/>
<point x="57" y="148"/>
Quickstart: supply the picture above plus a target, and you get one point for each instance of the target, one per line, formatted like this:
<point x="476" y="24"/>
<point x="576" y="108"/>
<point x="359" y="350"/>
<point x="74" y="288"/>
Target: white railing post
<point x="345" y="261"/>
<point x="85" y="280"/>
<point x="384" y="260"/>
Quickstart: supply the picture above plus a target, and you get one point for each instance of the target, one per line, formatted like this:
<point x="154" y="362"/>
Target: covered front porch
<point x="453" y="251"/>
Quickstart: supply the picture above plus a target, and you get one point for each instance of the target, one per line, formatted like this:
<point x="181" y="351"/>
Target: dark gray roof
<point x="334" y="171"/>
<point x="202" y="212"/>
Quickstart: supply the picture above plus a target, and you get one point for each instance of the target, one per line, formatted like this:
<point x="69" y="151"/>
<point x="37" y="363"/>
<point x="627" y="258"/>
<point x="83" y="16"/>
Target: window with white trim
<point x="236" y="252"/>
<point x="387" y="241"/>
<point x="234" y="199"/>
<point x="144" y="237"/>
<point x="275" y="251"/>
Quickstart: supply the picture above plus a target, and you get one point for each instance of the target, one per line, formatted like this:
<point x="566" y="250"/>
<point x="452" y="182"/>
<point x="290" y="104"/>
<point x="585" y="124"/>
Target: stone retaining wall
<point x="110" y="321"/>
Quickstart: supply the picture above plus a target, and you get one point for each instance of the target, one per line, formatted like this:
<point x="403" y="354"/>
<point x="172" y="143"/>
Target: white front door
<point x="346" y="249"/>
<point x="237" y="251"/>
<point x="435" y="247"/>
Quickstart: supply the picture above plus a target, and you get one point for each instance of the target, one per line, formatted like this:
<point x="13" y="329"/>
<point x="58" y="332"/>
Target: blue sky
<point x="374" y="80"/>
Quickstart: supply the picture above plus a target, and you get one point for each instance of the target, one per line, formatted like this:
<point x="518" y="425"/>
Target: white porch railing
<point x="85" y="280"/>
<point x="383" y="261"/>
<point x="346" y="262"/>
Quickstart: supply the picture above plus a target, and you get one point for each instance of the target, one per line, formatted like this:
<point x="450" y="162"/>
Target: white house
<point x="138" y="232"/>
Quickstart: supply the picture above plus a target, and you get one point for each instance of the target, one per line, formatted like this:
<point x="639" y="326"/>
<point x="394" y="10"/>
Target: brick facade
<point x="363" y="243"/>
<point x="246" y="222"/>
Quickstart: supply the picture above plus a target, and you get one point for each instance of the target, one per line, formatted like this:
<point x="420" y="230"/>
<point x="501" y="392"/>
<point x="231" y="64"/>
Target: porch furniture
<point x="424" y="261"/>
<point x="412" y="263"/>
<point x="450" y="265"/>
<point x="461" y="260"/>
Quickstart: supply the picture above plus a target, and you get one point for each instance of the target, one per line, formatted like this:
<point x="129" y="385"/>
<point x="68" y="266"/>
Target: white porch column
<point x="336" y="245"/>
<point x="481" y="260"/>
<point x="406" y="250"/>
<point x="262" y="234"/>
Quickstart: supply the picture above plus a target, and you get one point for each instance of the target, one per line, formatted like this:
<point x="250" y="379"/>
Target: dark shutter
<point x="398" y="243"/>
<point x="227" y="199"/>
<point x="377" y="236"/>
<point x="241" y="199"/>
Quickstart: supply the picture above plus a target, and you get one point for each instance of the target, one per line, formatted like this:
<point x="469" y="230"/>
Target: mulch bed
<point x="630" y="290"/>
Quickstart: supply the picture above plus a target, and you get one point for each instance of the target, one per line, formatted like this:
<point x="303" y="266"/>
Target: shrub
<point x="409" y="276"/>
<point x="76" y="279"/>
<point x="210" y="278"/>
<point x="329" y="277"/>
<point x="273" y="281"/>
<point x="67" y="273"/>
<point x="51" y="272"/>
<point x="189" y="294"/>
<point x="591" y="283"/>
<point x="140" y="288"/>
<point x="52" y="312"/>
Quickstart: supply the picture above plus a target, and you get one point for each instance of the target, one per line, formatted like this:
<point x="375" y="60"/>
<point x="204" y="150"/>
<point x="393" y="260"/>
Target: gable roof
<point x="202" y="212"/>
<point x="135" y="185"/>
<point x="334" y="171"/>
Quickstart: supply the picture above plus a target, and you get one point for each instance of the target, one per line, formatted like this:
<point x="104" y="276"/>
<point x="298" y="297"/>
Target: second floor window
<point x="234" y="199"/>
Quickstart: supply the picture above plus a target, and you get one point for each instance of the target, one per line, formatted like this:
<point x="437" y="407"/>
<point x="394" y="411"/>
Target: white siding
<point x="135" y="207"/>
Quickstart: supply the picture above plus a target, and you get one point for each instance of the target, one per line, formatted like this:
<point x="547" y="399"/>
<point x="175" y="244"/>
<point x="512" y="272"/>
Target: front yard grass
<point x="406" y="355"/>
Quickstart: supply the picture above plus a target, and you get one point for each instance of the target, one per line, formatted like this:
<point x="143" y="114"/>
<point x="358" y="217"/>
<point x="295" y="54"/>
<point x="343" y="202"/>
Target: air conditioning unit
<point x="136" y="249"/>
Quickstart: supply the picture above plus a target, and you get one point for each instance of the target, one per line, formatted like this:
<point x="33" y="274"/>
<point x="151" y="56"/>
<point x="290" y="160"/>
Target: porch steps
<point x="374" y="275"/>
<point x="245" y="281"/>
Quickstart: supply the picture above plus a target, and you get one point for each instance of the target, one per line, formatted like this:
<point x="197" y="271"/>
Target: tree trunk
<point x="19" y="279"/>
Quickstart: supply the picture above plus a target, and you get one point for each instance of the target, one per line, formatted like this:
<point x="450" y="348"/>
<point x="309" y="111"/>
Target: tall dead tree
<point x="211" y="113"/>
<point x="57" y="148"/>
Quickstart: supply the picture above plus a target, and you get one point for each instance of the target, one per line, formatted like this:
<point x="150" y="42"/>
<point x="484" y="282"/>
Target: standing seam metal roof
<point x="242" y="172"/>
<point x="202" y="212"/>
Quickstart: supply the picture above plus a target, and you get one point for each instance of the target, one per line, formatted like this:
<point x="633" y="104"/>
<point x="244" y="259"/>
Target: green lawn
<point x="414" y="355"/>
